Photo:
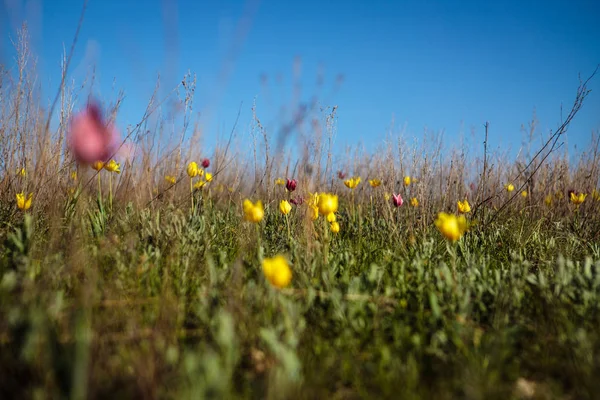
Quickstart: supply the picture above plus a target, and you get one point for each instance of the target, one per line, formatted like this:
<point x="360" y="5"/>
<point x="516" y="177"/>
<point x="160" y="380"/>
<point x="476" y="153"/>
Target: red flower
<point x="291" y="185"/>
<point x="205" y="163"/>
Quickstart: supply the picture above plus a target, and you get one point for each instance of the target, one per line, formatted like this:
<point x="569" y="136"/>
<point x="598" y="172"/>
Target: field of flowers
<point x="409" y="273"/>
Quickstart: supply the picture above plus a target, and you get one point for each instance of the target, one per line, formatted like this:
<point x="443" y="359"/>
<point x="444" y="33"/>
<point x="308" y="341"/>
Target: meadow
<point x="170" y="273"/>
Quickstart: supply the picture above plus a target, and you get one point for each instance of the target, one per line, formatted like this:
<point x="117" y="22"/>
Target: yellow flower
<point x="335" y="227"/>
<point x="406" y="180"/>
<point x="313" y="200"/>
<point x="464" y="206"/>
<point x="524" y="194"/>
<point x="285" y="207"/>
<point x="112" y="166"/>
<point x="548" y="200"/>
<point x="200" y="184"/>
<point x="253" y="212"/>
<point x="509" y="187"/>
<point x="387" y="196"/>
<point x="451" y="226"/>
<point x="98" y="165"/>
<point x="280" y="181"/>
<point x="22" y="203"/>
<point x="314" y="212"/>
<point x="577" y="199"/>
<point x="414" y="202"/>
<point x="352" y="182"/>
<point x="208" y="176"/>
<point x="170" y="179"/>
<point x="559" y="195"/>
<point x="21" y="172"/>
<point x="74" y="175"/>
<point x="328" y="203"/>
<point x="193" y="170"/>
<point x="277" y="271"/>
<point x="374" y="182"/>
<point x="331" y="217"/>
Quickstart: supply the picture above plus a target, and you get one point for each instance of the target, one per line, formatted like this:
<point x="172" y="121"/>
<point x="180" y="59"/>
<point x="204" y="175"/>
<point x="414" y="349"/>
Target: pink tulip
<point x="291" y="185"/>
<point x="90" y="138"/>
<point x="205" y="163"/>
<point x="397" y="200"/>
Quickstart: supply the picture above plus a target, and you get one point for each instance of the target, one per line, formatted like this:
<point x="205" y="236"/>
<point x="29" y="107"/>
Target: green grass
<point x="158" y="303"/>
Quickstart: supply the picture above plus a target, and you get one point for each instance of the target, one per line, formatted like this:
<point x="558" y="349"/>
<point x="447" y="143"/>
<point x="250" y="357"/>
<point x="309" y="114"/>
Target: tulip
<point x="397" y="200"/>
<point x="464" y="206"/>
<point x="253" y="212"/>
<point x="451" y="226"/>
<point x="22" y="202"/>
<point x="205" y="163"/>
<point x="285" y="207"/>
<point x="277" y="271"/>
<point x="291" y="185"/>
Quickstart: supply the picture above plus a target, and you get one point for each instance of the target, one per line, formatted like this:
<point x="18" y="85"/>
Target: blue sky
<point x="440" y="65"/>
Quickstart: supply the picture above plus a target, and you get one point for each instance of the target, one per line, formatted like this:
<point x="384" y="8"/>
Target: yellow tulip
<point x="314" y="212"/>
<point x="464" y="206"/>
<point x="23" y="203"/>
<point x="577" y="199"/>
<point x="200" y="184"/>
<point x="170" y="179"/>
<point x="352" y="182"/>
<point x="277" y="271"/>
<point x="21" y="172"/>
<point x="192" y="169"/>
<point x="253" y="212"/>
<point x="285" y="207"/>
<point x="208" y="176"/>
<point x="407" y="180"/>
<point x="74" y="175"/>
<point x="548" y="200"/>
<point x="374" y="182"/>
<point x="509" y="187"/>
<point x="280" y="181"/>
<point x="112" y="166"/>
<point x="524" y="194"/>
<point x="414" y="202"/>
<point x="335" y="227"/>
<point x="451" y="226"/>
<point x="98" y="165"/>
<point x="387" y="196"/>
<point x="331" y="217"/>
<point x="328" y="203"/>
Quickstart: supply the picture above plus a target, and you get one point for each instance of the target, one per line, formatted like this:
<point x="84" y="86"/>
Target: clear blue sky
<point x="444" y="65"/>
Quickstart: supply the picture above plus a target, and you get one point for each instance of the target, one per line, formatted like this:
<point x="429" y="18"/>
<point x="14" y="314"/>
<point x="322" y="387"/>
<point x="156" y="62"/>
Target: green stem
<point x="192" y="193"/>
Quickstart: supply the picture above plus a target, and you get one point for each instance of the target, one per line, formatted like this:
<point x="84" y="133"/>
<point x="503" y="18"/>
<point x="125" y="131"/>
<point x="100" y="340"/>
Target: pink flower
<point x="341" y="175"/>
<point x="291" y="185"/>
<point x="90" y="138"/>
<point x="397" y="200"/>
<point x="205" y="163"/>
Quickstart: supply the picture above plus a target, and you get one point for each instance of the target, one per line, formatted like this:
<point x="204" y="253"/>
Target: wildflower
<point x="290" y="185"/>
<point x="352" y="182"/>
<point x="313" y="199"/>
<point x="74" y="175"/>
<point x="328" y="203"/>
<point x="22" y="203"/>
<point x="397" y="200"/>
<point x="91" y="138"/>
<point x="314" y="212"/>
<point x="464" y="206"/>
<point x="524" y="194"/>
<point x="297" y="201"/>
<point x="253" y="212"/>
<point x="548" y="200"/>
<point x="387" y="196"/>
<point x="200" y="184"/>
<point x="21" y="172"/>
<point x="112" y="166"/>
<point x="205" y="163"/>
<point x="208" y="176"/>
<point x="335" y="227"/>
<point x="280" y="181"/>
<point x="577" y="199"/>
<point x="193" y="170"/>
<point x="509" y="187"/>
<point x="414" y="202"/>
<point x="277" y="271"/>
<point x="98" y="165"/>
<point x="170" y="179"/>
<point x="285" y="207"/>
<point x="331" y="217"/>
<point x="341" y="175"/>
<point x="407" y="180"/>
<point x="451" y="226"/>
<point x="374" y="182"/>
